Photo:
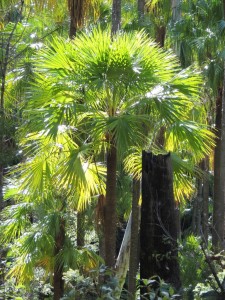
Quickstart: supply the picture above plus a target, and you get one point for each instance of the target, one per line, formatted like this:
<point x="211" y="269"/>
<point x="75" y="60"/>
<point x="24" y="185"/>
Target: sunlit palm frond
<point x="133" y="161"/>
<point x="15" y="219"/>
<point x="58" y="58"/>
<point x="191" y="137"/>
<point x="80" y="176"/>
<point x="84" y="259"/>
<point x="184" y="171"/>
<point x="23" y="269"/>
<point x="127" y="130"/>
<point x="34" y="245"/>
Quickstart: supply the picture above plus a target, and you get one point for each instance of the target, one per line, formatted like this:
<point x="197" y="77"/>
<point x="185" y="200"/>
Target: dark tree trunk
<point x="160" y="35"/>
<point x="116" y="16"/>
<point x="72" y="30"/>
<point x="158" y="229"/>
<point x="110" y="208"/>
<point x="141" y="11"/>
<point x="76" y="11"/>
<point x="80" y="229"/>
<point x="218" y="202"/>
<point x="205" y="209"/>
<point x="58" y="282"/>
<point x="134" y="260"/>
<point x="197" y="209"/>
<point x="1" y="183"/>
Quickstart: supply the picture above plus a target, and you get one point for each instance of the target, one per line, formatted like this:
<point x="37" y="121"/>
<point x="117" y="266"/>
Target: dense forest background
<point x="112" y="149"/>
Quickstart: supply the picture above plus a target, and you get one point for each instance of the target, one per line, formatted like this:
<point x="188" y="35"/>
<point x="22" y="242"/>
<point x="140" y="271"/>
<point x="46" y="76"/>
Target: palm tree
<point x="39" y="220"/>
<point x="116" y="87"/>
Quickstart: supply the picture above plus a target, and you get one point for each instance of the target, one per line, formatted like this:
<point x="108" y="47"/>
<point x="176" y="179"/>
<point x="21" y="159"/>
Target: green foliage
<point x="29" y="231"/>
<point x="93" y="286"/>
<point x="193" y="266"/>
<point x="157" y="289"/>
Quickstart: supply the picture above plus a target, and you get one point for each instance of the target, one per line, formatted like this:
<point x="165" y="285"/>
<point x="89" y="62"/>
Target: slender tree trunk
<point x="219" y="171"/>
<point x="197" y="209"/>
<point x="218" y="197"/>
<point x="110" y="208"/>
<point x="80" y="228"/>
<point x="221" y="214"/>
<point x="1" y="181"/>
<point x="73" y="29"/>
<point x="134" y="259"/>
<point x="116" y="16"/>
<point x="205" y="210"/>
<point x="176" y="12"/>
<point x="160" y="35"/>
<point x="158" y="229"/>
<point x="76" y="11"/>
<point x="58" y="282"/>
<point x="141" y="11"/>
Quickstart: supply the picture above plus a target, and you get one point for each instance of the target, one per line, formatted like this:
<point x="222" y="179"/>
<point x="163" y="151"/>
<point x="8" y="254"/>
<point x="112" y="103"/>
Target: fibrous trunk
<point x="80" y="229"/>
<point x="110" y="208"/>
<point x="141" y="10"/>
<point x="197" y="208"/>
<point x="218" y="197"/>
<point x="58" y="282"/>
<point x="116" y="16"/>
<point x="158" y="229"/>
<point x="76" y="11"/>
<point x="205" y="210"/>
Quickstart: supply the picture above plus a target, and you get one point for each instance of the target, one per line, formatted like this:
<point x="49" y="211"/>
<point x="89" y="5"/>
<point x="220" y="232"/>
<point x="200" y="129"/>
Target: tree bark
<point x="76" y="11"/>
<point x="176" y="12"/>
<point x="141" y="11"/>
<point x="58" y="282"/>
<point x="134" y="259"/>
<point x="205" y="209"/>
<point x="1" y="182"/>
<point x="110" y="208"/>
<point x="158" y="229"/>
<point x="197" y="209"/>
<point x="218" y="197"/>
<point x="80" y="229"/>
<point x="160" y="35"/>
<point x="116" y="16"/>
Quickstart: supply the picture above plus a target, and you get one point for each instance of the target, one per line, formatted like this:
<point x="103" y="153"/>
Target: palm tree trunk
<point x="58" y="282"/>
<point x="76" y="11"/>
<point x="141" y="11"/>
<point x="134" y="245"/>
<point x="158" y="229"/>
<point x="110" y="208"/>
<point x="1" y="183"/>
<point x="176" y="12"/>
<point x="160" y="35"/>
<point x="197" y="209"/>
<point x="80" y="229"/>
<point x="116" y="16"/>
<point x="218" y="203"/>
<point x="205" y="210"/>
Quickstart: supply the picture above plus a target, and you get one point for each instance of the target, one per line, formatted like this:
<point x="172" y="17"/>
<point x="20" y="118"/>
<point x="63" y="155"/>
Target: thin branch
<point x="213" y="270"/>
